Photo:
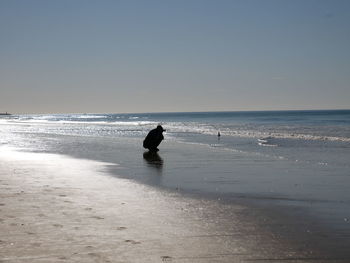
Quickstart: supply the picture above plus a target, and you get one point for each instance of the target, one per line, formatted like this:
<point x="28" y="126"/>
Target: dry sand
<point x="59" y="209"/>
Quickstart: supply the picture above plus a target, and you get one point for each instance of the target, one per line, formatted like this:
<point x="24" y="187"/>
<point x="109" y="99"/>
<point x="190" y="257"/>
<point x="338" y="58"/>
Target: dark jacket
<point x="154" y="138"/>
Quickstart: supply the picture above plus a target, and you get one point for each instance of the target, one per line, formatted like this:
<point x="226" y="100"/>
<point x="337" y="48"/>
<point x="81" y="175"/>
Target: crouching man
<point x="153" y="139"/>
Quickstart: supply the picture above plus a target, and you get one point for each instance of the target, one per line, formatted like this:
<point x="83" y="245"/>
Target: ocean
<point x="315" y="137"/>
<point x="293" y="160"/>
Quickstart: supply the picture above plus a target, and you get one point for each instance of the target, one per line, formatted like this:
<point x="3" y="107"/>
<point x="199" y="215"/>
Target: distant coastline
<point x="4" y="113"/>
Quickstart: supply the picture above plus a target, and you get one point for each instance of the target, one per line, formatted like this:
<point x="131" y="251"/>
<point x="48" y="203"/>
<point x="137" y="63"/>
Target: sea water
<point x="291" y="158"/>
<point x="320" y="137"/>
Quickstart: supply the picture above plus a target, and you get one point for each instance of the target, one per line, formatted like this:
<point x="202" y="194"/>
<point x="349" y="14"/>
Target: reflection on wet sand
<point x="153" y="159"/>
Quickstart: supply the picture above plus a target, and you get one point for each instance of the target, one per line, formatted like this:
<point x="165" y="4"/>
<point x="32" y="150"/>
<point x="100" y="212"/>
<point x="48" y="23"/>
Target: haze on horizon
<point x="162" y="56"/>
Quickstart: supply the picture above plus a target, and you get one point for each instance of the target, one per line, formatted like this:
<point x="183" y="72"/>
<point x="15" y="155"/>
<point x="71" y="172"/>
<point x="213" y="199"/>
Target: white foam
<point x="244" y="130"/>
<point x="90" y="117"/>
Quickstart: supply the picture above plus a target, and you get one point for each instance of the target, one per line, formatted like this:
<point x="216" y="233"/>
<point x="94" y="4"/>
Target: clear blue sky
<point x="149" y="56"/>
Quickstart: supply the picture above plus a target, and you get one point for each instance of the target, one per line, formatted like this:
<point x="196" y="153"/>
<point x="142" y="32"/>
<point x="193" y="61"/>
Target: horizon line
<point x="165" y="112"/>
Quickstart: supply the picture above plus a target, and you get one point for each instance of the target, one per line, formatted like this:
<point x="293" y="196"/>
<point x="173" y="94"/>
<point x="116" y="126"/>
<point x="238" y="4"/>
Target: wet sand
<point x="55" y="208"/>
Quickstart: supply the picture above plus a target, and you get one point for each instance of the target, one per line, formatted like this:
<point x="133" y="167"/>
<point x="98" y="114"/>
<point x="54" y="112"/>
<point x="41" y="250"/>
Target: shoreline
<point x="56" y="208"/>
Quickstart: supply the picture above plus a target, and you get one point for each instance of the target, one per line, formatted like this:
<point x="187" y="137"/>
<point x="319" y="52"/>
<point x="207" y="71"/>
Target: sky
<point x="133" y="56"/>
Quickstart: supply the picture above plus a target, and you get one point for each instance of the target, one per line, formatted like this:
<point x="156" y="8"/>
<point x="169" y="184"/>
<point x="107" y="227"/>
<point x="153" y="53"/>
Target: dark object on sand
<point x="153" y="139"/>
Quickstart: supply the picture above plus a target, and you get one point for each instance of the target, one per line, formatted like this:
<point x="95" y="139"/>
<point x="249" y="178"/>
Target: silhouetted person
<point x="153" y="139"/>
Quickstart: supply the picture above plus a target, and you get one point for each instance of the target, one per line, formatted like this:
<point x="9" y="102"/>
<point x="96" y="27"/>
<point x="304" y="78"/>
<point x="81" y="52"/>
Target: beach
<point x="175" y="131"/>
<point x="56" y="208"/>
<point x="84" y="190"/>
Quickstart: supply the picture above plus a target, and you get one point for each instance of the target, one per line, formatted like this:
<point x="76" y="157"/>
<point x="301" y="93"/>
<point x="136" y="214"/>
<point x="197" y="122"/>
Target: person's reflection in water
<point x="154" y="160"/>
